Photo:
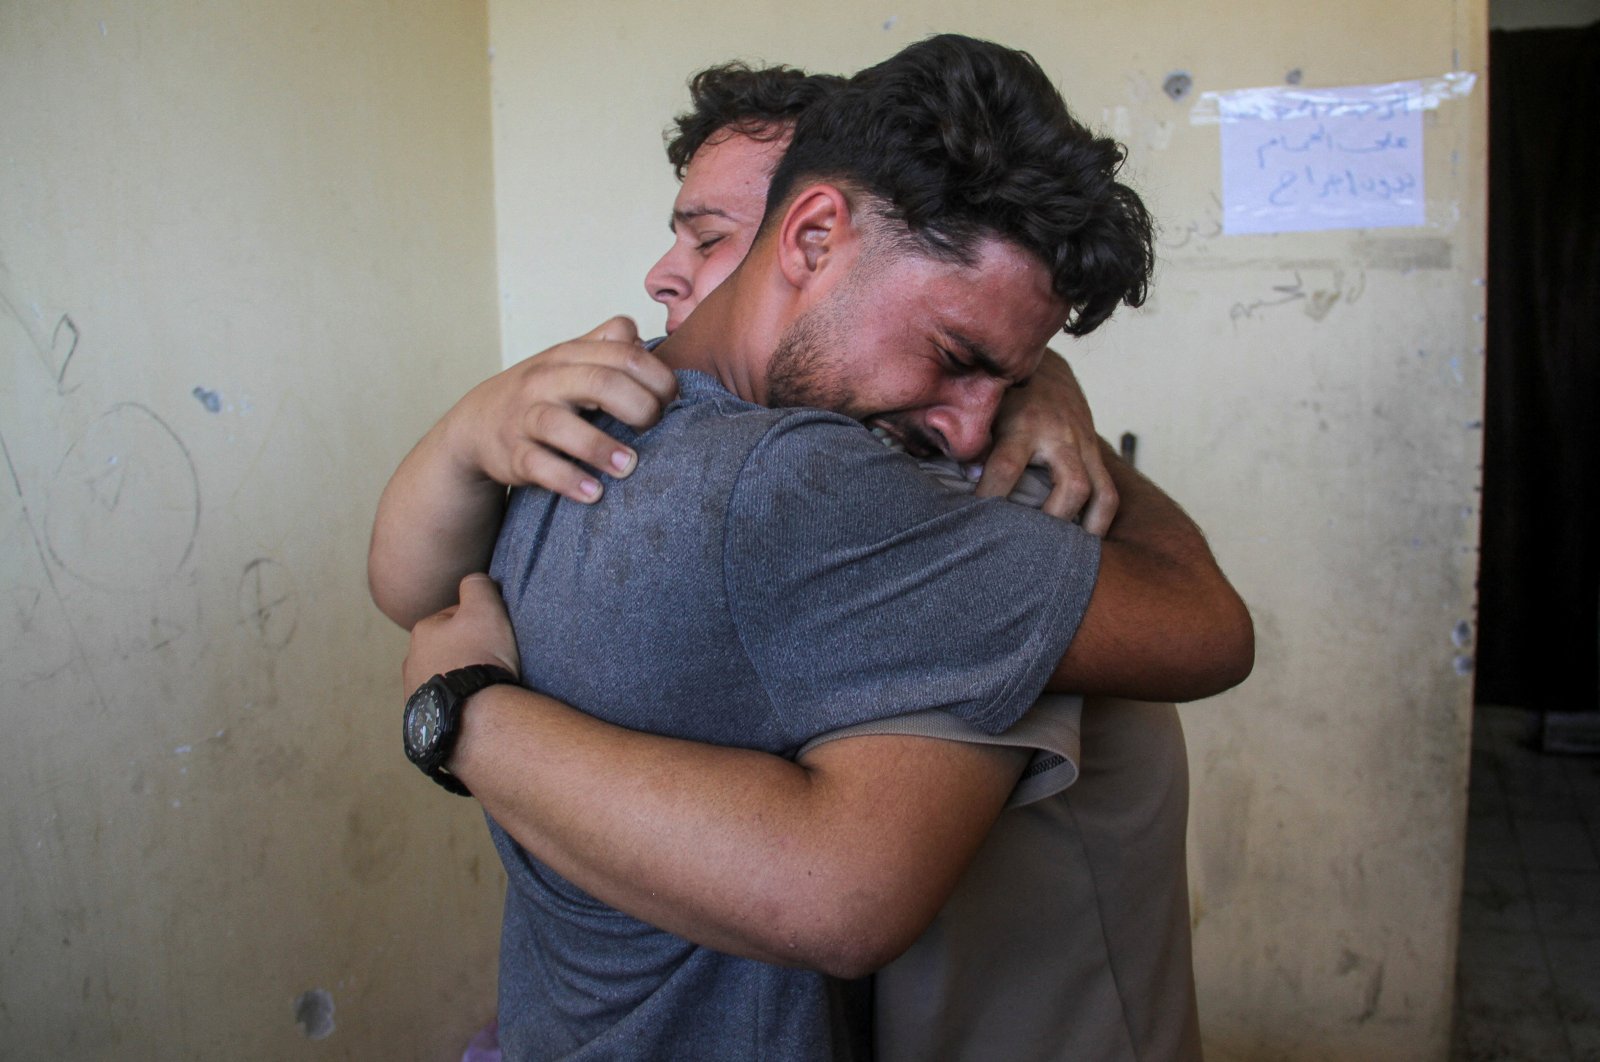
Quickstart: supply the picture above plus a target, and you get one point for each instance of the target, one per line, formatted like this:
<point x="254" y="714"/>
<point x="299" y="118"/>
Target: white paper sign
<point x="1294" y="160"/>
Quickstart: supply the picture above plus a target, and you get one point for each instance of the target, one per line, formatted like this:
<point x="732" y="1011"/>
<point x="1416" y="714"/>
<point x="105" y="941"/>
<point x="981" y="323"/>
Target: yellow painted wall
<point x="245" y="250"/>
<point x="248" y="253"/>
<point x="1313" y="399"/>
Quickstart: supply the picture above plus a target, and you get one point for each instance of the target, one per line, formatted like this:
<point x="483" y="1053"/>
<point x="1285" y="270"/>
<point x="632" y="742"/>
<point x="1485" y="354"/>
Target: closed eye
<point x="953" y="362"/>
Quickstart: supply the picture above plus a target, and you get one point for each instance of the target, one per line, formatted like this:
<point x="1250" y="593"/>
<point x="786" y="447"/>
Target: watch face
<point x="424" y="713"/>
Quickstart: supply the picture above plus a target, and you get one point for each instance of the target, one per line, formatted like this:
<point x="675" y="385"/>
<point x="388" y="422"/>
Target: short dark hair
<point x="960" y="140"/>
<point x="759" y="102"/>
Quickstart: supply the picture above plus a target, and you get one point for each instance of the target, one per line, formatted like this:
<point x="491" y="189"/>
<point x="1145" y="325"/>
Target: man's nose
<point x="666" y="282"/>
<point x="965" y="422"/>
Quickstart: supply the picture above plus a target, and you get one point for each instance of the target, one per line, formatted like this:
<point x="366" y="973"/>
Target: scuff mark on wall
<point x="1158" y="137"/>
<point x="1203" y="229"/>
<point x="1404" y="253"/>
<point x="1374" y="993"/>
<point x="129" y="483"/>
<point x="313" y="1012"/>
<point x="1351" y="962"/>
<point x="1316" y="303"/>
<point x="374" y="844"/>
<point x="1225" y="817"/>
<point x="1283" y="294"/>
<point x="1320" y="303"/>
<point x="65" y="334"/>
<point x="1118" y="120"/>
<point x="269" y="601"/>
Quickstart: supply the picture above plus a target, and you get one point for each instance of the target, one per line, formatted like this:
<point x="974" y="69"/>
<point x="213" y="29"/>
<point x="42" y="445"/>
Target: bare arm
<point x="1048" y="423"/>
<point x="438" y="516"/>
<point x="835" y="863"/>
<point x="1163" y="623"/>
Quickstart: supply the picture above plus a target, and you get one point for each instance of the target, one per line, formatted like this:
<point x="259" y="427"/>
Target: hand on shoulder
<point x="526" y="425"/>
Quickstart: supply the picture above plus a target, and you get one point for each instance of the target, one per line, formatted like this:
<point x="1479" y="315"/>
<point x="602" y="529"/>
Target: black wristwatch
<point x="433" y="718"/>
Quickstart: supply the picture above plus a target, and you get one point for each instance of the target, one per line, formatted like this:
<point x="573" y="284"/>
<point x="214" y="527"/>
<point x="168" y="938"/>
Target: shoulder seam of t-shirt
<point x="1059" y="601"/>
<point x="1004" y="707"/>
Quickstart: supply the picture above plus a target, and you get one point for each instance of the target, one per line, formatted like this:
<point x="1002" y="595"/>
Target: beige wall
<point x="288" y="207"/>
<point x="206" y="815"/>
<point x="1327" y="440"/>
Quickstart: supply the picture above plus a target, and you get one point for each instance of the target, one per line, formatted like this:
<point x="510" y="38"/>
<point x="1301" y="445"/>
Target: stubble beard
<point x="804" y="370"/>
<point x="808" y="370"/>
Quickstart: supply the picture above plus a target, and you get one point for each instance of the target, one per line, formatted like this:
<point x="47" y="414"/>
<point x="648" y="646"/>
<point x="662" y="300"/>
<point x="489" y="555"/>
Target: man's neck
<point x="725" y="339"/>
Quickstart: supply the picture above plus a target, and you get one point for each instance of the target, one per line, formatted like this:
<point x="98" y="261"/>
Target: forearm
<point x="1152" y="523"/>
<point x="549" y="775"/>
<point x="737" y="850"/>
<point x="1178" y="631"/>
<point x="436" y="523"/>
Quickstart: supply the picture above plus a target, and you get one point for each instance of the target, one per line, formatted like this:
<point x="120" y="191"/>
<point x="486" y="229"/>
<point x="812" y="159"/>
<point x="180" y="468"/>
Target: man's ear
<point x="816" y="236"/>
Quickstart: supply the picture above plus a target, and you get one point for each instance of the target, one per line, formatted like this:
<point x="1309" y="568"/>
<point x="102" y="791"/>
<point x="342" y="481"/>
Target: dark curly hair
<point x="759" y="102"/>
<point x="958" y="140"/>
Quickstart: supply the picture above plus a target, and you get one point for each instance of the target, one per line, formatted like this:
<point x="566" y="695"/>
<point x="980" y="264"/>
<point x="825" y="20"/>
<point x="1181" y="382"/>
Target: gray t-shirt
<point x="763" y="577"/>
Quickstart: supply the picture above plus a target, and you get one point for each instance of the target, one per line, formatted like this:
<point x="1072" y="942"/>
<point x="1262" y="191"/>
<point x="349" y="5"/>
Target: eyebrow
<point x="679" y="216"/>
<point x="981" y="358"/>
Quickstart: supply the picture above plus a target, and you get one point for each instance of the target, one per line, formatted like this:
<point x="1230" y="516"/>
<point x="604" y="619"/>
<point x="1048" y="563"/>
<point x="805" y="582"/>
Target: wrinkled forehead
<point x="728" y="176"/>
<point x="997" y="307"/>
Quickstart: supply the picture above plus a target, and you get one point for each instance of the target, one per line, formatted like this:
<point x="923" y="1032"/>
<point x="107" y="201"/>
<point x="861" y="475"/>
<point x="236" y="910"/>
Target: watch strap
<point x="460" y="684"/>
<point x="465" y="681"/>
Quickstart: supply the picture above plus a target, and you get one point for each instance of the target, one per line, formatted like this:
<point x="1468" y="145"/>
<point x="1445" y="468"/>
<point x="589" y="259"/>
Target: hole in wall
<point x="313" y="1012"/>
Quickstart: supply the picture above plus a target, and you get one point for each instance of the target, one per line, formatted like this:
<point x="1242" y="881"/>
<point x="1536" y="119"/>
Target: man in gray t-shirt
<point x="833" y="861"/>
<point x="807" y="566"/>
